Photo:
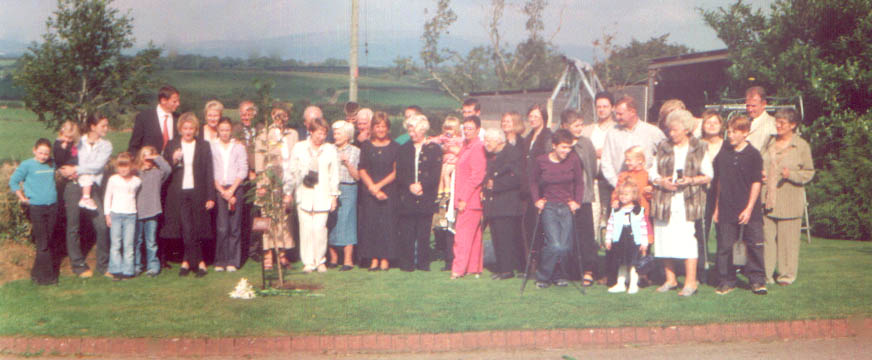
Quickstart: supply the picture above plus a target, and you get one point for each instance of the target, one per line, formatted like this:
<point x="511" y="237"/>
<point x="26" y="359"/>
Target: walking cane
<point x="530" y="253"/>
<point x="577" y="243"/>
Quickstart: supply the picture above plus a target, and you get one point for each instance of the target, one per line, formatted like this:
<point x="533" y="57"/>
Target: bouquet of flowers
<point x="243" y="290"/>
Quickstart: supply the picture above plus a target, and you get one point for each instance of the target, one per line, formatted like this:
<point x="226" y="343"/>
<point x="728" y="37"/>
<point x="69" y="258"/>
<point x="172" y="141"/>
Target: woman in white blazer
<point x="311" y="177"/>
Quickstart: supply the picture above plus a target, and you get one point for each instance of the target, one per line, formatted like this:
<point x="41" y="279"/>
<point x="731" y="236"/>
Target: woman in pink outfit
<point x="469" y="174"/>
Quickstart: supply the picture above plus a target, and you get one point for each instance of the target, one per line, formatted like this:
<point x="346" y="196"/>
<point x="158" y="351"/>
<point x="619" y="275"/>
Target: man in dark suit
<point x="156" y="127"/>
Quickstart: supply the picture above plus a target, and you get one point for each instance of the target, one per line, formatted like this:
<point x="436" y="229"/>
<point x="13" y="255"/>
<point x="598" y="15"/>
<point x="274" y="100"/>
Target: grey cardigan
<point x="586" y="152"/>
<point x="148" y="197"/>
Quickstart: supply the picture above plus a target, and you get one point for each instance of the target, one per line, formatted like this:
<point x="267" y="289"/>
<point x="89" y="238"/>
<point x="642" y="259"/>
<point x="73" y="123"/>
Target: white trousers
<point x="313" y="238"/>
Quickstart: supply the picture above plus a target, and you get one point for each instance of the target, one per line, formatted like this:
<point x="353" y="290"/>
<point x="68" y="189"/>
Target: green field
<point x="316" y="87"/>
<point x="832" y="284"/>
<point x="19" y="130"/>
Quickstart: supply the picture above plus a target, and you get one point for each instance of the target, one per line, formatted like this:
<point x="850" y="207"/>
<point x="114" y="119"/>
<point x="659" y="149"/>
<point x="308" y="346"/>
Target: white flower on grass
<point x="243" y="290"/>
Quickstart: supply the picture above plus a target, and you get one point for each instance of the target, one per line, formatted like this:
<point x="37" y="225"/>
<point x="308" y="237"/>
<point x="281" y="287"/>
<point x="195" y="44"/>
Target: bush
<point x="840" y="196"/>
<point x="14" y="224"/>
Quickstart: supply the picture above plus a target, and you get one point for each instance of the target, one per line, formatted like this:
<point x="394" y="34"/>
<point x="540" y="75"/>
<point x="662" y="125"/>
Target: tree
<point x="80" y="67"/>
<point x="819" y="49"/>
<point x="534" y="63"/>
<point x="625" y="65"/>
<point x="403" y="66"/>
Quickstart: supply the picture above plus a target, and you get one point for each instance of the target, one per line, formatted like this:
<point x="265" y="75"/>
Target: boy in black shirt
<point x="738" y="178"/>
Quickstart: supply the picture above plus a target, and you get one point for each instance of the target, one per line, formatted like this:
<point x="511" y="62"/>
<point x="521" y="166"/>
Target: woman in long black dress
<point x="378" y="170"/>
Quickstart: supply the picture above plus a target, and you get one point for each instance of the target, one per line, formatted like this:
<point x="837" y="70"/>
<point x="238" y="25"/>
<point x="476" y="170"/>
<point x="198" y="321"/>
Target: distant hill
<point x="316" y="47"/>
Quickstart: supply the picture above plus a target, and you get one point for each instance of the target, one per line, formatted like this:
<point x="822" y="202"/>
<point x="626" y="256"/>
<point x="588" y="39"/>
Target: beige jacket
<point x="790" y="193"/>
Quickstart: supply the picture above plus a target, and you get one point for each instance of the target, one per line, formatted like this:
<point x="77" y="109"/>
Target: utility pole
<point x="352" y="58"/>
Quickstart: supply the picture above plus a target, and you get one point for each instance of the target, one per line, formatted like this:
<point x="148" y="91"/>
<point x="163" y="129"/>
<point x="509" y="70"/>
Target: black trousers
<point x="415" y="241"/>
<point x="728" y="234"/>
<point x="193" y="247"/>
<point x="506" y="237"/>
<point x="42" y="221"/>
<point x="585" y="239"/>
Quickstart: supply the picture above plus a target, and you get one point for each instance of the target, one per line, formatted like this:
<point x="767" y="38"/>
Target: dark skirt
<point x="377" y="237"/>
<point x="625" y="252"/>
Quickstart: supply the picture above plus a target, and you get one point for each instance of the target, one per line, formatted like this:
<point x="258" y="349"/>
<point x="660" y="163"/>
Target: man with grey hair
<point x="363" y="127"/>
<point x="312" y="112"/>
<point x="502" y="202"/>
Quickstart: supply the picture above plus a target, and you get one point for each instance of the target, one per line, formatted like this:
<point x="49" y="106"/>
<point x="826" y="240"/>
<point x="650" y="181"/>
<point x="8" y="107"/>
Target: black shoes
<point x="503" y="276"/>
<point x="724" y="289"/>
<point x="183" y="271"/>
<point x="332" y="265"/>
<point x="759" y="289"/>
<point x="200" y="273"/>
<point x="346" y="268"/>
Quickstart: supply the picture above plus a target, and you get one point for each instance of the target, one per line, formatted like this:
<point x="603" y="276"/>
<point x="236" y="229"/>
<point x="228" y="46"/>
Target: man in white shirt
<point x="763" y="124"/>
<point x="156" y="127"/>
<point x="628" y="132"/>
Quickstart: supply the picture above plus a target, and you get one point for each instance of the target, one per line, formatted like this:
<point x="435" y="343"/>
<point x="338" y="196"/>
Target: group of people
<point x="350" y="186"/>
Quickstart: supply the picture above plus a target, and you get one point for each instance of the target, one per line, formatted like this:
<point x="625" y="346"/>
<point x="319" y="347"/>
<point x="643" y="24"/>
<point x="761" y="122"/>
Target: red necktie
<point x="166" y="131"/>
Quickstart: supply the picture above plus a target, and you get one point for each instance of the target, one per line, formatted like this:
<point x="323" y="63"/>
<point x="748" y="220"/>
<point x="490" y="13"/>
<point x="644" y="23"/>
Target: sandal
<point x="587" y="281"/>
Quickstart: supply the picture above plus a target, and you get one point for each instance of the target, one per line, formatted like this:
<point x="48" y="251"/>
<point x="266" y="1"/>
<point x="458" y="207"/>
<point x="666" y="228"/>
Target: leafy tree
<point x="80" y="66"/>
<point x="819" y="49"/>
<point x="534" y="63"/>
<point x="625" y="65"/>
<point x="403" y="66"/>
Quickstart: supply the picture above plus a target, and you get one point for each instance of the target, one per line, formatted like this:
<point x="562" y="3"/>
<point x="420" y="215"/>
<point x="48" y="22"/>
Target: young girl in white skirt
<point x="626" y="237"/>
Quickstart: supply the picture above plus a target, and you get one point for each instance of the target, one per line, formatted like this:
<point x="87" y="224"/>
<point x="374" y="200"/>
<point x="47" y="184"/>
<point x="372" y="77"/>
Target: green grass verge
<point x="832" y="284"/>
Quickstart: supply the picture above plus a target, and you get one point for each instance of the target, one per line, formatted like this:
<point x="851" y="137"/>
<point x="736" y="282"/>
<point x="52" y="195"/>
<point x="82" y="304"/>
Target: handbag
<point x="333" y="216"/>
<point x="260" y="224"/>
<point x="644" y="264"/>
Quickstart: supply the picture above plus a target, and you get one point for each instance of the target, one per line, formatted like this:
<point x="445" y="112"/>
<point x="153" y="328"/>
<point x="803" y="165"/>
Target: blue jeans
<point x="556" y="219"/>
<point x="121" y="236"/>
<point x="146" y="231"/>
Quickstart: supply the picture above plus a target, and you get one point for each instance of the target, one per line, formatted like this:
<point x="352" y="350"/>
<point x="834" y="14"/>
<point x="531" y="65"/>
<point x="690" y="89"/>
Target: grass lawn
<point x="19" y="130"/>
<point x="832" y="283"/>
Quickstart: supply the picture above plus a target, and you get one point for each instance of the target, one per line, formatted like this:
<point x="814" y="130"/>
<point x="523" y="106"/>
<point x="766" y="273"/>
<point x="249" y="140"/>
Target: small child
<point x="624" y="246"/>
<point x="153" y="171"/>
<point x="634" y="160"/>
<point x="737" y="181"/>
<point x="65" y="151"/>
<point x="119" y="204"/>
<point x="451" y="141"/>
<point x="34" y="184"/>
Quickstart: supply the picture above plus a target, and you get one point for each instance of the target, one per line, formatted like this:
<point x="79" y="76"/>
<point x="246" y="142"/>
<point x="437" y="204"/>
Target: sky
<point x="174" y="23"/>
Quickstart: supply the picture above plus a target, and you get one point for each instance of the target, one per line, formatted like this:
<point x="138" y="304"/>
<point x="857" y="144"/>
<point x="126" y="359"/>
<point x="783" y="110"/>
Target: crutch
<point x="577" y="244"/>
<point x="530" y="252"/>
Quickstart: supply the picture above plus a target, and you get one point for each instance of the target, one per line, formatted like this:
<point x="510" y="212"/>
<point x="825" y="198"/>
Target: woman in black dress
<point x="377" y="237"/>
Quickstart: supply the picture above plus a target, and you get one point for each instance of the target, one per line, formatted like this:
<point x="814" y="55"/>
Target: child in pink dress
<point x="451" y="141"/>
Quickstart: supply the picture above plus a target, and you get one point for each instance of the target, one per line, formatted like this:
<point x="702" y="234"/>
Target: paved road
<point x="843" y="348"/>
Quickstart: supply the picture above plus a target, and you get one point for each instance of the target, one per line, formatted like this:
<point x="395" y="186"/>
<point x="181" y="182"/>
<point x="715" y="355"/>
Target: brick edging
<point x="410" y="343"/>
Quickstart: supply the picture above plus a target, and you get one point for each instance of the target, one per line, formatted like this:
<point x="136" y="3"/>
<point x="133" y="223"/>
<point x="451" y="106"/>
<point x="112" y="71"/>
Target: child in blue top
<point x="625" y="245"/>
<point x="34" y="184"/>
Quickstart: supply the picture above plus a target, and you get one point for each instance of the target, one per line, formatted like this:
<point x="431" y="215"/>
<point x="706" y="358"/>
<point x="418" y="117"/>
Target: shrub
<point x="840" y="201"/>
<point x="13" y="220"/>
